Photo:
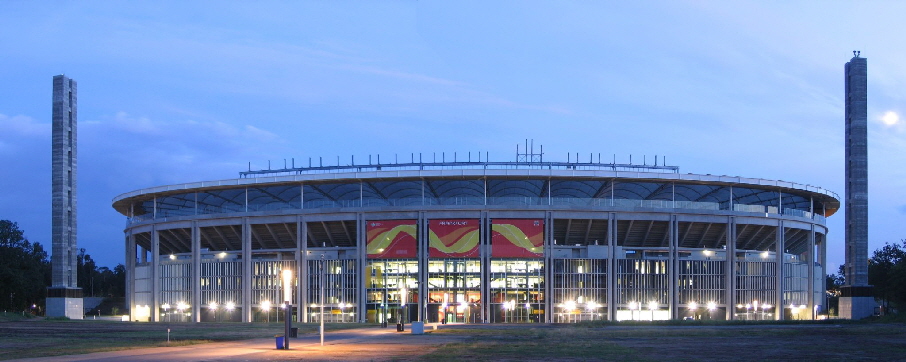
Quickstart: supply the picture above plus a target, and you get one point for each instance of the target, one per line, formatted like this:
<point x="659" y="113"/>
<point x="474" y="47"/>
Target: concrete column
<point x="299" y="252"/>
<point x="730" y="270"/>
<point x="422" y="255"/>
<point x="247" y="271"/>
<point x="155" y="275"/>
<point x="611" y="266"/>
<point x="811" y="272"/>
<point x="362" y="252"/>
<point x="673" y="267"/>
<point x="195" y="303"/>
<point x="548" y="265"/>
<point x="130" y="273"/>
<point x="304" y="277"/>
<point x="779" y="249"/>
<point x="822" y="258"/>
<point x="484" y="250"/>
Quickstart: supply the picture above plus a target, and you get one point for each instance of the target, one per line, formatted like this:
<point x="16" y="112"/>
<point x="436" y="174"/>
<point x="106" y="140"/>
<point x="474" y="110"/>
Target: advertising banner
<point x="453" y="238"/>
<point x="517" y="238"/>
<point x="391" y="239"/>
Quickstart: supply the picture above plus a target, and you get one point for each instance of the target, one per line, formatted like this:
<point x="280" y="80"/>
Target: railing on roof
<point x="461" y="165"/>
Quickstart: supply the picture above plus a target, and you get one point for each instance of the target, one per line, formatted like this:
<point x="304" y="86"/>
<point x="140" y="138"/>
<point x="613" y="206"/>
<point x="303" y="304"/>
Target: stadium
<point x="525" y="241"/>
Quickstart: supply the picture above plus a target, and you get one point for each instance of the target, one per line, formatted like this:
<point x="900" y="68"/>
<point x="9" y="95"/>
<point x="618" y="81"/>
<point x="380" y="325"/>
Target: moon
<point x="890" y="118"/>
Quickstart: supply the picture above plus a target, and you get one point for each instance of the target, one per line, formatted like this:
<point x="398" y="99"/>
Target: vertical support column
<point x="548" y="265"/>
<point x="155" y="275"/>
<point x="822" y="258"/>
<point x="300" y="272"/>
<point x="304" y="278"/>
<point x="811" y="272"/>
<point x="611" y="266"/>
<point x="779" y="247"/>
<point x="730" y="269"/>
<point x="422" y="257"/>
<point x="195" y="302"/>
<point x="485" y="251"/>
<point x="362" y="252"/>
<point x="247" y="271"/>
<point x="130" y="274"/>
<point x="673" y="267"/>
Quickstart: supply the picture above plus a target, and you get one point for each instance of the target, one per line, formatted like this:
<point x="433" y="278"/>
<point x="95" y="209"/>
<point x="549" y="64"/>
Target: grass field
<point x="25" y="338"/>
<point x="22" y="337"/>
<point x="730" y="342"/>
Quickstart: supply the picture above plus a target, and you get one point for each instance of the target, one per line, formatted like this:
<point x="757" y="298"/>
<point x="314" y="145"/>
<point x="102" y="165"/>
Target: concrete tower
<point x="64" y="298"/>
<point x="856" y="301"/>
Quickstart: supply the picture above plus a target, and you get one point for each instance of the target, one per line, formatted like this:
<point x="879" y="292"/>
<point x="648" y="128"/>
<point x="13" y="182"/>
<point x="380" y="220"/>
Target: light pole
<point x="166" y="308"/>
<point x="181" y="307"/>
<point x="229" y="307"/>
<point x="652" y="306"/>
<point x="711" y="307"/>
<point x="266" y="307"/>
<point x="213" y="307"/>
<point x="692" y="307"/>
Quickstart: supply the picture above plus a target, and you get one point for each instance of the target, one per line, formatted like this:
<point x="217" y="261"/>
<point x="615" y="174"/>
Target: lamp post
<point x="652" y="306"/>
<point x="266" y="307"/>
<point x="213" y="307"/>
<point x="692" y="307"/>
<point x="181" y="307"/>
<point x="166" y="308"/>
<point x="711" y="307"/>
<point x="229" y="307"/>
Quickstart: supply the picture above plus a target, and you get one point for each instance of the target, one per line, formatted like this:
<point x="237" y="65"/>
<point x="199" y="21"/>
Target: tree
<point x="24" y="269"/>
<point x="887" y="274"/>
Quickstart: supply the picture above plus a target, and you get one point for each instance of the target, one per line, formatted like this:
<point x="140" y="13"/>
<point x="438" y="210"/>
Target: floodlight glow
<point x="230" y="306"/>
<point x="652" y="305"/>
<point x="165" y="306"/>
<point x="266" y="305"/>
<point x="693" y="305"/>
<point x="212" y="306"/>
<point x="712" y="306"/>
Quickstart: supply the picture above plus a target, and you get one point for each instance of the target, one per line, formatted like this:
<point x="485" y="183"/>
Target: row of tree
<point x="25" y="272"/>
<point x="886" y="275"/>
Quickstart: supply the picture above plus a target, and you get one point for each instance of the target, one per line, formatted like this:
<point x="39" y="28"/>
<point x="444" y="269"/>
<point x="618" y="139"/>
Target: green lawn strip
<point x="532" y="344"/>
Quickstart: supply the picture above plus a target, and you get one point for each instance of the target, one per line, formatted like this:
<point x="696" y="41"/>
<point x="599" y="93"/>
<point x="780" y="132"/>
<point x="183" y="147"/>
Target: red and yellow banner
<point x="391" y="239"/>
<point x="517" y="238"/>
<point x="453" y="238"/>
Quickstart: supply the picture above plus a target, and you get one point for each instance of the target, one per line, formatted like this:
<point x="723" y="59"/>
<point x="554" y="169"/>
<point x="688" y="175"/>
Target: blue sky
<point x="173" y="92"/>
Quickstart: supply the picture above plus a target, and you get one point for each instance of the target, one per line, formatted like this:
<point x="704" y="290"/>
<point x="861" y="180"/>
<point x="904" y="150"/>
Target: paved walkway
<point x="365" y="344"/>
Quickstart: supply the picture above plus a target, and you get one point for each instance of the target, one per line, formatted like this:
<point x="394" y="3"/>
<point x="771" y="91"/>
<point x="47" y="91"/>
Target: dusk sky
<point x="173" y="92"/>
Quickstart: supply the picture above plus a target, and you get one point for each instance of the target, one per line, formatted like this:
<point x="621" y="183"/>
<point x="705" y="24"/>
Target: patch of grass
<point x="8" y="317"/>
<point x="531" y="343"/>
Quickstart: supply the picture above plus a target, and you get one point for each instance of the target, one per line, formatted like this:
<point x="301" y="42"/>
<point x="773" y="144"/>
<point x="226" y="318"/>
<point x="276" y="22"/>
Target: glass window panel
<point x="454" y="192"/>
<point x="517" y="192"/>
<point x="392" y="193"/>
<point x="274" y="197"/>
<point x="176" y="205"/>
<point x="331" y="195"/>
<point x="221" y="201"/>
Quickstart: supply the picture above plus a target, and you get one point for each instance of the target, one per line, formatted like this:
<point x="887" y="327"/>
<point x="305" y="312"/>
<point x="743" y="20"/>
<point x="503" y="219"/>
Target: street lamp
<point x="181" y="307"/>
<point x="166" y="308"/>
<point x="229" y="307"/>
<point x="692" y="307"/>
<point x="266" y="307"/>
<point x="711" y="307"/>
<point x="652" y="306"/>
<point x="213" y="307"/>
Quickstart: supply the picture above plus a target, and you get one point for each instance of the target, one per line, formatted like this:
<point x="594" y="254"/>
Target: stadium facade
<point x="477" y="241"/>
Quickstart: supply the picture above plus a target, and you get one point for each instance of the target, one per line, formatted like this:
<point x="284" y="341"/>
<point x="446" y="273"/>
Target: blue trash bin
<point x="279" y="339"/>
